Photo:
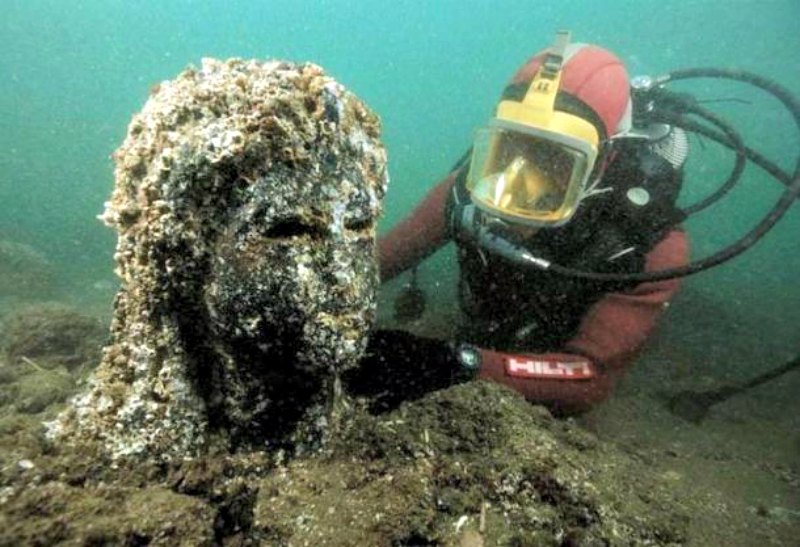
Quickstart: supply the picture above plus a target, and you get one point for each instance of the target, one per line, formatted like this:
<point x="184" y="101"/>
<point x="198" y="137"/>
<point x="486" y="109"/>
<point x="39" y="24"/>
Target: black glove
<point x="399" y="366"/>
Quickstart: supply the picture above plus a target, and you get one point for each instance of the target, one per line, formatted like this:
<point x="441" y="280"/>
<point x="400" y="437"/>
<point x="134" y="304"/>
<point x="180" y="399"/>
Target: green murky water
<point x="72" y="74"/>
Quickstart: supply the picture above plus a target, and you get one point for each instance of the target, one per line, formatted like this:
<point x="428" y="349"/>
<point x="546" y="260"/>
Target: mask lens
<point x="525" y="177"/>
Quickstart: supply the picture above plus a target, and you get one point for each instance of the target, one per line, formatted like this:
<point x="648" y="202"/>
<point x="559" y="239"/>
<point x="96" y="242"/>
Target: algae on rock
<point x="474" y="460"/>
<point x="54" y="333"/>
<point x="245" y="202"/>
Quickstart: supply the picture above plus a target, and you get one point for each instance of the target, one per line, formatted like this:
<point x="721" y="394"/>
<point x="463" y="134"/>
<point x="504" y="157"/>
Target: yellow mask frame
<point x="492" y="174"/>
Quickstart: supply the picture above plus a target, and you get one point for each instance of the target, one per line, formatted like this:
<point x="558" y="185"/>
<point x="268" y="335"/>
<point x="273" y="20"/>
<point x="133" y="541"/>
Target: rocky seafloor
<point x="471" y="465"/>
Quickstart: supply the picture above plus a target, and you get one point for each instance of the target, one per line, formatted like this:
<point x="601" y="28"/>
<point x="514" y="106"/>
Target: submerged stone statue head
<point x="246" y="199"/>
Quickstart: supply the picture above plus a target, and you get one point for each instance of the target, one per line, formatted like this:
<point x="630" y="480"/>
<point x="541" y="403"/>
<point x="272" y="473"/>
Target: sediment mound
<point x="471" y="465"/>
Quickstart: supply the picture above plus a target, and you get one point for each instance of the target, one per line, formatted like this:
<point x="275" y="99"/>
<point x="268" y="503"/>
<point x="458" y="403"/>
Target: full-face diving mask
<point x="532" y="162"/>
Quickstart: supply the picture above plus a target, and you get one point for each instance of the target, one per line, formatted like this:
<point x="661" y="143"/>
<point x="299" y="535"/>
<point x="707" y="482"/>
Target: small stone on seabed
<point x="25" y="465"/>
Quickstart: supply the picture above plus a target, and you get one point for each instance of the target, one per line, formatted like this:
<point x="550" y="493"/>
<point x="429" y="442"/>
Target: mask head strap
<point x="541" y="95"/>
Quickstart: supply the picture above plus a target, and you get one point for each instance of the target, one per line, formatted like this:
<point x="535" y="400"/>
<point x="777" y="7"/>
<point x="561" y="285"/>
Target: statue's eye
<point x="358" y="224"/>
<point x="294" y="227"/>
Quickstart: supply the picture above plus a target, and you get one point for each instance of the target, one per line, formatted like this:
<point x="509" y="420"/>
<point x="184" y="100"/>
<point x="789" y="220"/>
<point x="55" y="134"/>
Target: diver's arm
<point x="607" y="341"/>
<point x="614" y="329"/>
<point x="399" y="366"/>
<point x="417" y="236"/>
<point x="566" y="383"/>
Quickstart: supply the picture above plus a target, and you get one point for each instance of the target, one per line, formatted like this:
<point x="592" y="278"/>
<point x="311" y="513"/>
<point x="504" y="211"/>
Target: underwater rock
<point x="59" y="513"/>
<point x="245" y="201"/>
<point x="474" y="464"/>
<point x="38" y="389"/>
<point x="45" y="350"/>
<point x="51" y="335"/>
<point x="471" y="461"/>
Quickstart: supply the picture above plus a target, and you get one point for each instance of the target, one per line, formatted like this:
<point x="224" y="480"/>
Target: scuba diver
<point x="568" y="233"/>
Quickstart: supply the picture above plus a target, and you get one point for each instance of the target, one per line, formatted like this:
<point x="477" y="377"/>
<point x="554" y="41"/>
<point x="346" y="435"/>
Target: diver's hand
<point x="399" y="366"/>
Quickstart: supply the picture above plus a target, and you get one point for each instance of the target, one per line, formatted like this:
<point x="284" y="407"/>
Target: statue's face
<point x="293" y="277"/>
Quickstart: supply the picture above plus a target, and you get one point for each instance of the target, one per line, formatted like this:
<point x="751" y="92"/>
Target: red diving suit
<point x="561" y="341"/>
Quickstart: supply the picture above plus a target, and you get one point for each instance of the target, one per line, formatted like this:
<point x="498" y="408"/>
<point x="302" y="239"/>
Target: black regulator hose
<point x="756" y="157"/>
<point x="748" y="240"/>
<point x="732" y="140"/>
<point x="678" y="104"/>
